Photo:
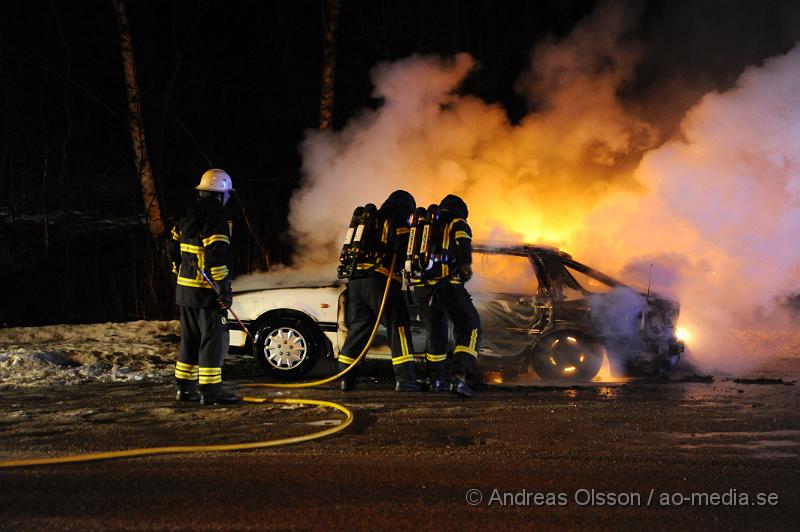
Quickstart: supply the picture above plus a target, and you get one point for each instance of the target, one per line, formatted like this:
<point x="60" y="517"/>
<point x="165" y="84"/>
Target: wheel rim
<point x="285" y="348"/>
<point x="566" y="357"/>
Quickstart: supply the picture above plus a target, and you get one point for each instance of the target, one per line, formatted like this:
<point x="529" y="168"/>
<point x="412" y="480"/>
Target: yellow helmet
<point x="215" y="180"/>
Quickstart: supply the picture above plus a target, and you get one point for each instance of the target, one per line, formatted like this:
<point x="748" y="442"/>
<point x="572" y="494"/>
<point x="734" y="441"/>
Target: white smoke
<point x="617" y="312"/>
<point x="729" y="193"/>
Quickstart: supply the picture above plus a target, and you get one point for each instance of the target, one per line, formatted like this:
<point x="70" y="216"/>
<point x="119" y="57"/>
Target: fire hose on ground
<point x="148" y="451"/>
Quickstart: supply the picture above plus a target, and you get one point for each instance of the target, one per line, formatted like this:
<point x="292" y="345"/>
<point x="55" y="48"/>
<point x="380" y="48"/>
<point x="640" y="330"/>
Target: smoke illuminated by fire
<point x="533" y="181"/>
<point x="716" y="212"/>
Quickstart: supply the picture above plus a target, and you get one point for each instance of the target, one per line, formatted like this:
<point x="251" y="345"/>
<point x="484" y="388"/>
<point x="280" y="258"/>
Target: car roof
<point x="523" y="250"/>
<point x="517" y="249"/>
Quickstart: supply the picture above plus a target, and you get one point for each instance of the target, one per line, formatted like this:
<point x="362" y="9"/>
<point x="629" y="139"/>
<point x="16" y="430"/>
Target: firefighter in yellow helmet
<point x="200" y="241"/>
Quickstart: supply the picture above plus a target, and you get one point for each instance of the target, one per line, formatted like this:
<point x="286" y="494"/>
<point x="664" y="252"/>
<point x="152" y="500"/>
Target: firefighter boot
<point x="186" y="391"/>
<point x="214" y="394"/>
<point x="460" y="387"/>
<point x="407" y="386"/>
<point x="439" y="385"/>
<point x="436" y="376"/>
<point x="348" y="382"/>
<point x="406" y="378"/>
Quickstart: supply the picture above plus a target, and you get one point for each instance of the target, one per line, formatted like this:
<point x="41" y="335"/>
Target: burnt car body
<point x="561" y="316"/>
<point x="540" y="311"/>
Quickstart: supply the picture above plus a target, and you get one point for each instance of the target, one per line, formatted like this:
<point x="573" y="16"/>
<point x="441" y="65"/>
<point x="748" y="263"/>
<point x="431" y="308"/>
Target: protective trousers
<point x="204" y="342"/>
<point x="364" y="301"/>
<point x="438" y="305"/>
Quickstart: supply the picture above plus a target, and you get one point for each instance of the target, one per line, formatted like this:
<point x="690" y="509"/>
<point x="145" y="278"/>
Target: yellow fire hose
<point x="147" y="451"/>
<point x="90" y="457"/>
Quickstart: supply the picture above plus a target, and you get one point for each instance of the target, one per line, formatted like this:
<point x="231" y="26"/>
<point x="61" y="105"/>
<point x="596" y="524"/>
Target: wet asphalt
<point x="691" y="453"/>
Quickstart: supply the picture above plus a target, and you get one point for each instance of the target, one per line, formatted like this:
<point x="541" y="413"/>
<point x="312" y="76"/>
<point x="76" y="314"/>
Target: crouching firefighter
<point x="201" y="242"/>
<point x="374" y="236"/>
<point x="440" y="262"/>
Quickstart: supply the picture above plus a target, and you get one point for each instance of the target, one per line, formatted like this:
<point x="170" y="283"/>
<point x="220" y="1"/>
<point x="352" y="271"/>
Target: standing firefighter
<point x="385" y="233"/>
<point x="200" y="242"/>
<point x="439" y="278"/>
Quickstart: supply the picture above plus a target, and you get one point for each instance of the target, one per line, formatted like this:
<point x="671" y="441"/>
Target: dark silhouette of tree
<point x="330" y="21"/>
<point x="142" y="160"/>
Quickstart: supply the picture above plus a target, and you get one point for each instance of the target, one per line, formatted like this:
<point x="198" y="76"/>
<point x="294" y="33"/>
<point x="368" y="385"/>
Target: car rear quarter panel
<point x="320" y="304"/>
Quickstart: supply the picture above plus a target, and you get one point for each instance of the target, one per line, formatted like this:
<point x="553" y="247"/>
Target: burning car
<point x="540" y="310"/>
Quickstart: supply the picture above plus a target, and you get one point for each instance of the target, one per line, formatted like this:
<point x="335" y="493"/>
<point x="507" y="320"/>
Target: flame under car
<point x="541" y="311"/>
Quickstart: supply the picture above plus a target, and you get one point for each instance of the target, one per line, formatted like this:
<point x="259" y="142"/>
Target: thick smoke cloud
<point x="715" y="211"/>
<point x="722" y="216"/>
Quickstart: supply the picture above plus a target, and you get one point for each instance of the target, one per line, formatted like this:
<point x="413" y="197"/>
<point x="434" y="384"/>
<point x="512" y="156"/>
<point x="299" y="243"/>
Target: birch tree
<point x="143" y="167"/>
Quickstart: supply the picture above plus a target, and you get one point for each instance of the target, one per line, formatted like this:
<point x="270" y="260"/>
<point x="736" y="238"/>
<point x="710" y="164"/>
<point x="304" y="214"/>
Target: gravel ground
<point x="534" y="453"/>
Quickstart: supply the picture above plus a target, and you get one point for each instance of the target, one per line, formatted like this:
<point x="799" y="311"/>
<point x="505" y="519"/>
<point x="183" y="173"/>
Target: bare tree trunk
<point x="11" y="191"/>
<point x="330" y="20"/>
<point x="264" y="251"/>
<point x="67" y="110"/>
<point x="143" y="167"/>
<point x="45" y="217"/>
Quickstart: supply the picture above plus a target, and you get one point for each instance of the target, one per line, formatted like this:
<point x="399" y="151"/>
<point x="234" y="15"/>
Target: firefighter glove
<point x="465" y="272"/>
<point x="225" y="294"/>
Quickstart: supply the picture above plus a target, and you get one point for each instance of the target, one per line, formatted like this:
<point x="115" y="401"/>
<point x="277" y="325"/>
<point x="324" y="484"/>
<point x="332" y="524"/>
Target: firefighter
<point x="365" y="292"/>
<point x="441" y="297"/>
<point x="201" y="239"/>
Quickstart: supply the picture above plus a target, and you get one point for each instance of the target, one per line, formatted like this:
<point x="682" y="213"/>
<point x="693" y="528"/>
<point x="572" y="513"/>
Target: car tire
<point x="287" y="347"/>
<point x="567" y="356"/>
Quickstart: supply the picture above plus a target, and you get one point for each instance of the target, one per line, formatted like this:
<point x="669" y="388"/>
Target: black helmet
<point x="454" y="204"/>
<point x="401" y="202"/>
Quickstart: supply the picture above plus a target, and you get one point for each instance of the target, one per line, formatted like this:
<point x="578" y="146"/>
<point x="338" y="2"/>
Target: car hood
<point x="625" y="312"/>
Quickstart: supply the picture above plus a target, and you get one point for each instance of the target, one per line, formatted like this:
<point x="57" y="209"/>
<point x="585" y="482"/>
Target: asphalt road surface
<point x="637" y="455"/>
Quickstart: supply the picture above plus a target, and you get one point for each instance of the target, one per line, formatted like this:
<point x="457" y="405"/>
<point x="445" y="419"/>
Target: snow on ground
<point x="101" y="352"/>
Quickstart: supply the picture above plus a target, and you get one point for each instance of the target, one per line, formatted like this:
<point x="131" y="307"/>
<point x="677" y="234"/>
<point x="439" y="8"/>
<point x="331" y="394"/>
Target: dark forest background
<point x="234" y="84"/>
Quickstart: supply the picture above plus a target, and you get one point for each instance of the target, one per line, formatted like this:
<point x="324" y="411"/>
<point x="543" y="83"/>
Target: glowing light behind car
<point x="683" y="334"/>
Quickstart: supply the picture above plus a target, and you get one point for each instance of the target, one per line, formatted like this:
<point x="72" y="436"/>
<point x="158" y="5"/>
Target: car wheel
<point x="568" y="355"/>
<point x="286" y="348"/>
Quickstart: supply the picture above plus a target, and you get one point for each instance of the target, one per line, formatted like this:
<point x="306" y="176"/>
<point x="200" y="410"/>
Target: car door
<point x="505" y="290"/>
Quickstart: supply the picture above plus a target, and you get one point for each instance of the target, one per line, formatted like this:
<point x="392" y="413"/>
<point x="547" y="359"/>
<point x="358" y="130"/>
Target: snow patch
<point x="76" y="354"/>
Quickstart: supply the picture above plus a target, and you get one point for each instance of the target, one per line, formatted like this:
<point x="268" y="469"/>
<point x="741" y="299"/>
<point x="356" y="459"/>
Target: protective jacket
<point x="201" y="240"/>
<point x="394" y="229"/>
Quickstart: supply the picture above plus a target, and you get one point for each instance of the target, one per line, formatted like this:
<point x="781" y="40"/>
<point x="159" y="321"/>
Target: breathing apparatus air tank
<point x="345" y="255"/>
<point x="431" y="234"/>
<point x="415" y="238"/>
<point x="367" y="233"/>
<point x="357" y="239"/>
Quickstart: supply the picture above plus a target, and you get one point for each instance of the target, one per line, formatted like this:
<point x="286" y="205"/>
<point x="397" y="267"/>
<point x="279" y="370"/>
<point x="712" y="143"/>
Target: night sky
<point x="235" y="84"/>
